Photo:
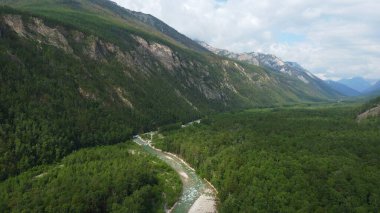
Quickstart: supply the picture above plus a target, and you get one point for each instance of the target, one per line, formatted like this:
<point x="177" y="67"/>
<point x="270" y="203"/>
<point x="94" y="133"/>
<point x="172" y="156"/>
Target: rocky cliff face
<point x="148" y="59"/>
<point x="197" y="82"/>
<point x="36" y="30"/>
<point x="373" y="112"/>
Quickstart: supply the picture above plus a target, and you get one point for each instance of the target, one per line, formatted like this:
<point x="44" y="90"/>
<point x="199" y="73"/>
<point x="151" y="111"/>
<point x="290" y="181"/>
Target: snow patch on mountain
<point x="303" y="79"/>
<point x="268" y="61"/>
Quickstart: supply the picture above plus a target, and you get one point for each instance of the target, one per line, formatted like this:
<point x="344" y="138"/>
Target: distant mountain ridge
<point x="345" y="90"/>
<point x="357" y="83"/>
<point x="276" y="64"/>
<point x="373" y="89"/>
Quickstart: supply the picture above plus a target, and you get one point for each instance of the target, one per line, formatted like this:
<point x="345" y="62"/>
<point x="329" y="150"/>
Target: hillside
<point x="343" y="89"/>
<point x="296" y="159"/>
<point x="152" y="22"/>
<point x="80" y="73"/>
<point x="273" y="63"/>
<point x="98" y="15"/>
<point x="374" y="89"/>
<point x="357" y="83"/>
<point x="127" y="180"/>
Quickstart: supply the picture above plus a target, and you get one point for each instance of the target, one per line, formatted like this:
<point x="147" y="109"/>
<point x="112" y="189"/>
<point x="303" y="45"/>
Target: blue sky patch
<point x="221" y="1"/>
<point x="285" y="37"/>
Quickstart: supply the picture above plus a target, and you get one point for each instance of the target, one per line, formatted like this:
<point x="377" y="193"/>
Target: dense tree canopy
<point x="118" y="178"/>
<point x="286" y="160"/>
<point x="52" y="103"/>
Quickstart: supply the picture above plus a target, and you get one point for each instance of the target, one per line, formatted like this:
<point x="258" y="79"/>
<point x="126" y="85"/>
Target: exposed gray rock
<point x="52" y="35"/>
<point x="77" y="36"/>
<point x="121" y="94"/>
<point x="161" y="52"/>
<point x="373" y="112"/>
<point x="86" y="94"/>
<point x="36" y="29"/>
<point x="15" y="23"/>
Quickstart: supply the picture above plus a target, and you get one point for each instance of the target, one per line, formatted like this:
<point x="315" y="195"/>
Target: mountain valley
<point x="81" y="79"/>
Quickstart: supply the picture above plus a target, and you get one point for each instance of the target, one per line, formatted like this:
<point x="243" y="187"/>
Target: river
<point x="197" y="195"/>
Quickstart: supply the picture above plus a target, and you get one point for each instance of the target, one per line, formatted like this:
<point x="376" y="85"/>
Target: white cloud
<point x="332" y="38"/>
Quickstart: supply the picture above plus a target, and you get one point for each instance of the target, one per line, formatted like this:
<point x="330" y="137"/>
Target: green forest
<point x="307" y="159"/>
<point x="80" y="78"/>
<point x="370" y="104"/>
<point x="54" y="102"/>
<point x="118" y="178"/>
<point x="44" y="116"/>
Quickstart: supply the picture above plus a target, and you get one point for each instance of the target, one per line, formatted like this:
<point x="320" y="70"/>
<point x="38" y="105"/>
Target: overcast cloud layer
<point x="332" y="38"/>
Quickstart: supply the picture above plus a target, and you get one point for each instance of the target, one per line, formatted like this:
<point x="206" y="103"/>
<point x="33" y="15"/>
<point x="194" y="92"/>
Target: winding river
<point x="197" y="194"/>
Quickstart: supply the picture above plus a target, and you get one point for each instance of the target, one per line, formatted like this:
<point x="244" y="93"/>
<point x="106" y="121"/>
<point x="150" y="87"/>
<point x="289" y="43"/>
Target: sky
<point x="333" y="39"/>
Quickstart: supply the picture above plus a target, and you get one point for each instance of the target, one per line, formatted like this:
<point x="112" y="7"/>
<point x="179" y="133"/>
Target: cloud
<point x="332" y="38"/>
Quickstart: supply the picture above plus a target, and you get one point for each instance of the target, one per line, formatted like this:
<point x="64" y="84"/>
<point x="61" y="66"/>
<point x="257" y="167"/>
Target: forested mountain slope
<point x="298" y="159"/>
<point x="86" y="13"/>
<point x="76" y="74"/>
<point x="152" y="22"/>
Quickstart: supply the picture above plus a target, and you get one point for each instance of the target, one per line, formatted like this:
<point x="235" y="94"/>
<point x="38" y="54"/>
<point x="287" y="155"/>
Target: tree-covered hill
<point x="118" y="178"/>
<point x="76" y="74"/>
<point x="316" y="159"/>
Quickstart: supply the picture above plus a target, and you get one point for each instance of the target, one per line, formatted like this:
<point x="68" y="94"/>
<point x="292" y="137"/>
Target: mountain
<point x="343" y="89"/>
<point x="81" y="73"/>
<point x="104" y="8"/>
<point x="373" y="89"/>
<point x="357" y="83"/>
<point x="151" y="21"/>
<point x="272" y="62"/>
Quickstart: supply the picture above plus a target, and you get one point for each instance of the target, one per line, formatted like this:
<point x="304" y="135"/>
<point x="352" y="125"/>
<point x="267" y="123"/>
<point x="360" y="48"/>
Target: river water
<point x="197" y="194"/>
